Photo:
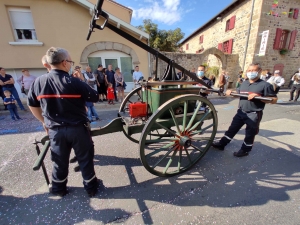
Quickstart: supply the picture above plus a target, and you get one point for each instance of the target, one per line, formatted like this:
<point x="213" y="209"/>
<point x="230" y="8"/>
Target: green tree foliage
<point x="213" y="70"/>
<point x="167" y="41"/>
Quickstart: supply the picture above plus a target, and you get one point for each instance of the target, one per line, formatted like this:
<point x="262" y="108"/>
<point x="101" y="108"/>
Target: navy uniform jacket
<point x="205" y="80"/>
<point x="62" y="98"/>
<point x="260" y="87"/>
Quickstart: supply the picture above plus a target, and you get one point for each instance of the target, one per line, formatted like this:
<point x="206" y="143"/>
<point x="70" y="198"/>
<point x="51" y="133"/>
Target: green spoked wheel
<point x="189" y="125"/>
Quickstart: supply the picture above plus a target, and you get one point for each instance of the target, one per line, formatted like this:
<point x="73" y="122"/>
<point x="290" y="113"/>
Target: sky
<point x="188" y="15"/>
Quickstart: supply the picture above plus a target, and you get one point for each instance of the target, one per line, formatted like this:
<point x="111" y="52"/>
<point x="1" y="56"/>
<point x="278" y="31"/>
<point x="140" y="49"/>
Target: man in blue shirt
<point x="137" y="75"/>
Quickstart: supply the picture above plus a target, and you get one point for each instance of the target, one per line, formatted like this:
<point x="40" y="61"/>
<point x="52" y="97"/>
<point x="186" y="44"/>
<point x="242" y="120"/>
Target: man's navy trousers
<point x="252" y="121"/>
<point x="62" y="140"/>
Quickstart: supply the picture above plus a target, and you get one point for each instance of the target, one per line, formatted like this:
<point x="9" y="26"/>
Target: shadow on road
<point x="42" y="209"/>
<point x="218" y="180"/>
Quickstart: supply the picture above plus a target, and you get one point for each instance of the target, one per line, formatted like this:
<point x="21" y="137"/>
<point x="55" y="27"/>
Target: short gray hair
<point x="56" y="55"/>
<point x="255" y="64"/>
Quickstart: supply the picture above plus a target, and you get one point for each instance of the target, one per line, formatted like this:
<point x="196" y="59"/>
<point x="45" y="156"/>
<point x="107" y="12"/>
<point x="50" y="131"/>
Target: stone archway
<point x="216" y="52"/>
<point x="107" y="46"/>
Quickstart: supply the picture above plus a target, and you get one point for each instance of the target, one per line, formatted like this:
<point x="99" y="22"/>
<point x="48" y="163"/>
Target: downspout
<point x="149" y="61"/>
<point x="247" y="41"/>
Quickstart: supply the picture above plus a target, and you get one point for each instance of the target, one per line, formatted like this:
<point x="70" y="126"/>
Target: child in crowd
<point x="10" y="102"/>
<point x="110" y="94"/>
<point x="91" y="111"/>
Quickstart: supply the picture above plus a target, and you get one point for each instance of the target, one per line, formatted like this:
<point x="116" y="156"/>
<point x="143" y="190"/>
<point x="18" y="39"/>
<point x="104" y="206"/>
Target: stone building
<point x="238" y="30"/>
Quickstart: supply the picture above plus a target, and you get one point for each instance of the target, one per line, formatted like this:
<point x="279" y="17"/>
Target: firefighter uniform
<point x="62" y="100"/>
<point x="249" y="113"/>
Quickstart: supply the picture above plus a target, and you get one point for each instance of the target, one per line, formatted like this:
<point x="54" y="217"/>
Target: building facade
<point x="240" y="31"/>
<point x="30" y="27"/>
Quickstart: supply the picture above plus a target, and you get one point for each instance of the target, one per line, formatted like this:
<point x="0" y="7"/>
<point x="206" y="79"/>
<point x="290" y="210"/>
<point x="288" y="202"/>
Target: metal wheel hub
<point x="185" y="141"/>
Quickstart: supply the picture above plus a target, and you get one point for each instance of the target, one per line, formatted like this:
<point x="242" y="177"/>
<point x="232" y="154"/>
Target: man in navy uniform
<point x="58" y="101"/>
<point x="250" y="110"/>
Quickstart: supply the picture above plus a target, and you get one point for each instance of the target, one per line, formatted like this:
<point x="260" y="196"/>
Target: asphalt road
<point x="262" y="188"/>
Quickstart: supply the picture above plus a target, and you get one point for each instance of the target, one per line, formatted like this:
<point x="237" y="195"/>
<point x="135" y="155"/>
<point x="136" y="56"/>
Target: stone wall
<point x="215" y="34"/>
<point x="212" y="57"/>
<point x="268" y="22"/>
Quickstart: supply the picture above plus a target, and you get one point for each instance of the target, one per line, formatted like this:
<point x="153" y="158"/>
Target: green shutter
<point x="126" y="67"/>
<point x="94" y="62"/>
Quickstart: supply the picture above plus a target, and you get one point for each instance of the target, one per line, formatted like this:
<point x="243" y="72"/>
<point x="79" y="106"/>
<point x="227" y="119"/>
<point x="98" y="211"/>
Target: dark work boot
<point x="217" y="145"/>
<point x="240" y="153"/>
<point x="92" y="192"/>
<point x="61" y="193"/>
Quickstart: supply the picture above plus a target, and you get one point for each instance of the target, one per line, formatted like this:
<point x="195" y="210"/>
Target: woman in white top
<point x="295" y="87"/>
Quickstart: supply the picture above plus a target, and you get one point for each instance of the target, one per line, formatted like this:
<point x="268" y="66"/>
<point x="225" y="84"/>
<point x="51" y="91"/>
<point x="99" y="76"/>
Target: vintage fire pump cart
<point x="162" y="116"/>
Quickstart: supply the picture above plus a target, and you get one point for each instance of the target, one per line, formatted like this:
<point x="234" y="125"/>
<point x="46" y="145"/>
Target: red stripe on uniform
<point x="58" y="96"/>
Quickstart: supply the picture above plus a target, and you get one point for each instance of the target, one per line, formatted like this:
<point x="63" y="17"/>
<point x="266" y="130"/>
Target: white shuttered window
<point x="22" y="24"/>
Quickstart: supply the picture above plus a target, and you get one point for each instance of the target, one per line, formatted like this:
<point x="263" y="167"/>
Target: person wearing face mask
<point x="250" y="110"/>
<point x="57" y="100"/>
<point x="201" y="76"/>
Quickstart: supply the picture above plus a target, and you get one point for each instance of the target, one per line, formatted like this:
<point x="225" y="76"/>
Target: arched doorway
<point x="116" y="54"/>
<point x="215" y="60"/>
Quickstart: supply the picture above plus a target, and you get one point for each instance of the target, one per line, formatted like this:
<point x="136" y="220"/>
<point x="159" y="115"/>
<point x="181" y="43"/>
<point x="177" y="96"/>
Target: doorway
<point x="114" y="58"/>
<point x="113" y="62"/>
